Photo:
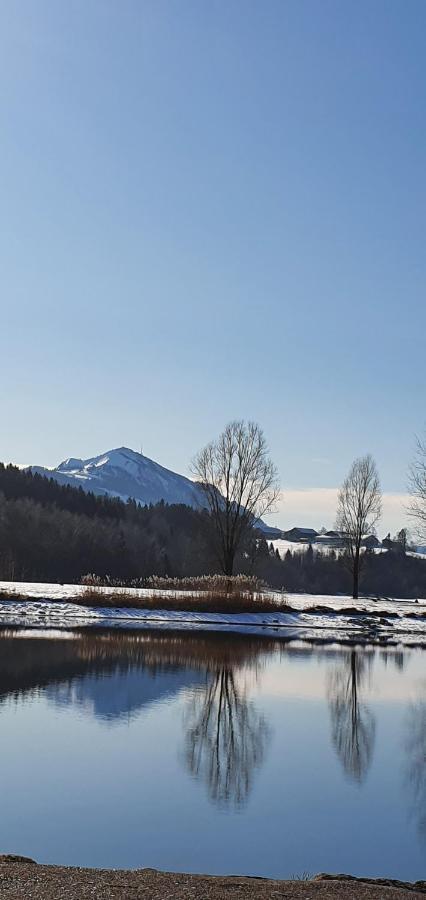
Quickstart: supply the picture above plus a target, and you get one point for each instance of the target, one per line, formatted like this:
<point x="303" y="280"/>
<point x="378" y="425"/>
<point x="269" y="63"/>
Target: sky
<point x="209" y="211"/>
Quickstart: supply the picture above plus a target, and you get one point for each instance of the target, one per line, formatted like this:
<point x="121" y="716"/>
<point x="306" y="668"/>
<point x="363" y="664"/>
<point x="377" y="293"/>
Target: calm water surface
<point x="212" y="753"/>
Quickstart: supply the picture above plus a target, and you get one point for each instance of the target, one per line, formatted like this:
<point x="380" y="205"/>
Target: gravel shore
<point x="20" y="878"/>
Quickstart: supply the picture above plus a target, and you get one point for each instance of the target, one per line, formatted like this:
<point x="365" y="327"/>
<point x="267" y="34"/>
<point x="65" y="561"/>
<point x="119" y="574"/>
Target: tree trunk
<point x="229" y="563"/>
<point x="356" y="576"/>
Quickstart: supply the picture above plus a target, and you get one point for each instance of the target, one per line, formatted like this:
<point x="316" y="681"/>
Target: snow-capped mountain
<point x="124" y="473"/>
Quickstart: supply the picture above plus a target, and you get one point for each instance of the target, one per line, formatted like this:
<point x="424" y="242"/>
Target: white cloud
<point x="315" y="507"/>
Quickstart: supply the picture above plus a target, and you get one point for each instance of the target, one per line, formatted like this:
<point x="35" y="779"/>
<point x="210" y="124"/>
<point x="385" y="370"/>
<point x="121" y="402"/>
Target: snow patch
<point x="42" y="609"/>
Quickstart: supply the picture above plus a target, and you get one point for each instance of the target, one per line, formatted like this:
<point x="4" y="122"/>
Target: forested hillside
<point x="50" y="532"/>
<point x="58" y="533"/>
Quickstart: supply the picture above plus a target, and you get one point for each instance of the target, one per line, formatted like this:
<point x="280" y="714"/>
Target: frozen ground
<point x="48" y="605"/>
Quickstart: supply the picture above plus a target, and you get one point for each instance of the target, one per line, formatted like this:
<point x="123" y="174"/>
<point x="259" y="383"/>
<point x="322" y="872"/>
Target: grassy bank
<point x="187" y="601"/>
<point x="205" y="602"/>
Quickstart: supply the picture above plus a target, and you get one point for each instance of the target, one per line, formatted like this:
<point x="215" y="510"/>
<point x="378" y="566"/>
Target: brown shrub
<point x="208" y="601"/>
<point x="217" y="584"/>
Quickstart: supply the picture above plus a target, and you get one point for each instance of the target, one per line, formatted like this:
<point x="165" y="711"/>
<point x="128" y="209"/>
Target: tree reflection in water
<point x="225" y="738"/>
<point x="352" y="724"/>
<point x="416" y="753"/>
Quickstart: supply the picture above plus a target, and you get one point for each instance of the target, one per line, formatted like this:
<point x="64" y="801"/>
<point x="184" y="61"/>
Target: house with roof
<point x="370" y="542"/>
<point x="334" y="539"/>
<point x="302" y="535"/>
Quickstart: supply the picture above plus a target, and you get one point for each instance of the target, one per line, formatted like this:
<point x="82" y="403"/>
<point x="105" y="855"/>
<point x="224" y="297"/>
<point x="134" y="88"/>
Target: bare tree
<point x="240" y="485"/>
<point x="359" y="509"/>
<point x="417" y="486"/>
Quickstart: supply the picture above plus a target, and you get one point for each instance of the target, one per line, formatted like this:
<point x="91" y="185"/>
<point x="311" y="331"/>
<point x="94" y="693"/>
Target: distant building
<point x="303" y="535"/>
<point x="332" y="539"/>
<point x="370" y="542"/>
<point x="389" y="544"/>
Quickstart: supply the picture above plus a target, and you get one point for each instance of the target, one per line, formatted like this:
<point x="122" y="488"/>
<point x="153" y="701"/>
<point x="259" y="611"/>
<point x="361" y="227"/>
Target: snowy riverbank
<point x="56" y="606"/>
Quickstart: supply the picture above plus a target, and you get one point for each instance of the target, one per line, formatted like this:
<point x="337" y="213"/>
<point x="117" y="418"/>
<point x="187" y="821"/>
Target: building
<point x="302" y="535"/>
<point x="332" y="539"/>
<point x="370" y="542"/>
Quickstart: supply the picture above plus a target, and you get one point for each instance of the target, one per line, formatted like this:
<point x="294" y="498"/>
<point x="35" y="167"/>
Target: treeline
<point x="391" y="573"/>
<point x="18" y="484"/>
<point x="52" y="532"/>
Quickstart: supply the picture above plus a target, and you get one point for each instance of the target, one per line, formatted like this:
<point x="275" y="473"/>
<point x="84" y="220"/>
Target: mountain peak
<point x="126" y="473"/>
<point x="71" y="464"/>
<point x="124" y="451"/>
<point x="120" y="457"/>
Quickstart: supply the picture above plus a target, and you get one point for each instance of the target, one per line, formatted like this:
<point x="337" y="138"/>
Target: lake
<point x="212" y="752"/>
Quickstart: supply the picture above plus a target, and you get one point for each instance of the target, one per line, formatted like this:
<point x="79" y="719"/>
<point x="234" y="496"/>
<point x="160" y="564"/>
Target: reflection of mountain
<point x="353" y="726"/>
<point x="120" y="694"/>
<point x="106" y="677"/>
<point x="110" y="675"/>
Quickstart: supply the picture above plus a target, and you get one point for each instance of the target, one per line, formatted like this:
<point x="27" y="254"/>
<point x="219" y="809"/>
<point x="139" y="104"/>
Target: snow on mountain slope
<point x="125" y="473"/>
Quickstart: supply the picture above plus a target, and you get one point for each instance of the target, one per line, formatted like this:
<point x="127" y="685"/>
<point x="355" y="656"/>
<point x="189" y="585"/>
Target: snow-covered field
<point x="48" y="605"/>
<point x="325" y="549"/>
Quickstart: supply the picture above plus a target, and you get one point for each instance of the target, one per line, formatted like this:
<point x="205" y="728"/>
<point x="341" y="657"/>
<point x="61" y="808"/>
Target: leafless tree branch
<point x="417" y="488"/>
<point x="359" y="508"/>
<point x="240" y="485"/>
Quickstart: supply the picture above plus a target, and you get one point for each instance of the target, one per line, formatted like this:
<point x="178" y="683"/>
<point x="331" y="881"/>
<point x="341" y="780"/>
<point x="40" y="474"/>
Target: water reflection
<point x="121" y="694"/>
<point x="398" y="658"/>
<point x="416" y="757"/>
<point x="228" y="735"/>
<point x="114" y="676"/>
<point x="108" y="677"/>
<point x="225" y="738"/>
<point x="352" y="723"/>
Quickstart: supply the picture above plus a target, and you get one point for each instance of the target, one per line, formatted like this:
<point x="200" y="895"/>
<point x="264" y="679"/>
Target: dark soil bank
<point x="21" y="878"/>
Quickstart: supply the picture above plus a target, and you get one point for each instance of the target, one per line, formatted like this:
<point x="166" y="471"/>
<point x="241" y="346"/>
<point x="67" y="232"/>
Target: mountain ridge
<point x="128" y="474"/>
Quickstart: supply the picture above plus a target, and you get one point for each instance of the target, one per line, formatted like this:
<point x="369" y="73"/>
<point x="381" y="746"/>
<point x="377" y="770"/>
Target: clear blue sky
<point x="214" y="210"/>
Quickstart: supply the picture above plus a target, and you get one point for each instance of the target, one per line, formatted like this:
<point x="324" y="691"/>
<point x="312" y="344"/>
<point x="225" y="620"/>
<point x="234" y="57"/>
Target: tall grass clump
<point x="206" y="593"/>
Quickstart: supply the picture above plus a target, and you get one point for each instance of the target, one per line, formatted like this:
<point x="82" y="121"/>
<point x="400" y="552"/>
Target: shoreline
<point x="21" y="877"/>
<point x="32" y="605"/>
